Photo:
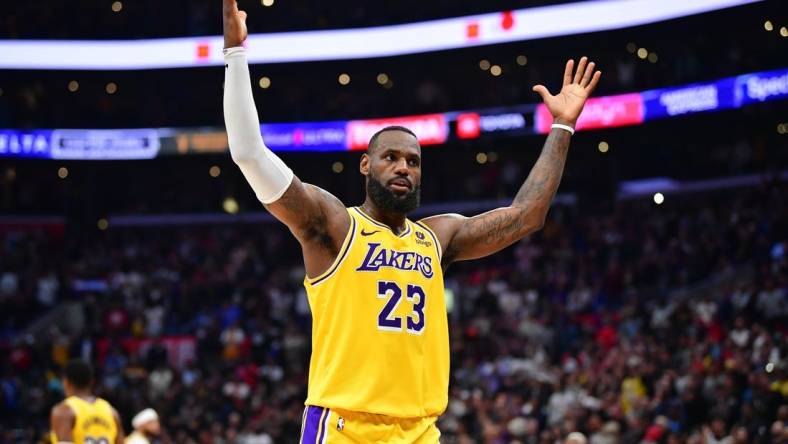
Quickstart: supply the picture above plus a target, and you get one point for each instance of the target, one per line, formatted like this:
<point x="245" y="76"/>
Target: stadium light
<point x="230" y="205"/>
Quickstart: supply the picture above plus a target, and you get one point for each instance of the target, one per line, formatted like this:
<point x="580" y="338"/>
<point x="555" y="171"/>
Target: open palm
<point x="567" y="105"/>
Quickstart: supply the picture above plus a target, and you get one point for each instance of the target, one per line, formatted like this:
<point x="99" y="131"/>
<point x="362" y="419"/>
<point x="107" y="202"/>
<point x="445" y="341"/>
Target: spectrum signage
<point x="760" y="87"/>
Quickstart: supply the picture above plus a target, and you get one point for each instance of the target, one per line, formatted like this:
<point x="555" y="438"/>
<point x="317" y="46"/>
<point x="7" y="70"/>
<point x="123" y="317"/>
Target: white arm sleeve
<point x="265" y="172"/>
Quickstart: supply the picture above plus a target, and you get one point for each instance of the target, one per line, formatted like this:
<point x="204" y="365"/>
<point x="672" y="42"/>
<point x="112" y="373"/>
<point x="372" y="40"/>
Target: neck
<point x="82" y="394"/>
<point x="395" y="221"/>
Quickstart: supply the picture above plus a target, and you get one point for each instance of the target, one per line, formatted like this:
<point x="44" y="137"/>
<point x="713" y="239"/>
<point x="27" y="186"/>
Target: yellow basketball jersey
<point x="380" y="339"/>
<point x="94" y="423"/>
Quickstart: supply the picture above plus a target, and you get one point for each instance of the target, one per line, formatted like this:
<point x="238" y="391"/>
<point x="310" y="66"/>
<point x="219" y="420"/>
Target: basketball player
<point x="83" y="418"/>
<point x="146" y="427"/>
<point x="379" y="370"/>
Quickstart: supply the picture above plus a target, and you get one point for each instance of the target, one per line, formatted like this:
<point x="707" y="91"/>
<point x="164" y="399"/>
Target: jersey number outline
<point x="392" y="291"/>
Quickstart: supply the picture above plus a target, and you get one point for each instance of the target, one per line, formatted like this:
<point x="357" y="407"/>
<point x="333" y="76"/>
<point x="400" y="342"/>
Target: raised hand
<point x="567" y="105"/>
<point x="234" y="24"/>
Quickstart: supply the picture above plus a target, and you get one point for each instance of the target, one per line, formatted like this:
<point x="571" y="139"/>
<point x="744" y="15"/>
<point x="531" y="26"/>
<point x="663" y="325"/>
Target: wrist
<point x="232" y="43"/>
<point x="234" y="51"/>
<point x="561" y="121"/>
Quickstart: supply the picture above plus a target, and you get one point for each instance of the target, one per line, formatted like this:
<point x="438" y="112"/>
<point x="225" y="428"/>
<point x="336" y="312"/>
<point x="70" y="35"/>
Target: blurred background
<point x="651" y="308"/>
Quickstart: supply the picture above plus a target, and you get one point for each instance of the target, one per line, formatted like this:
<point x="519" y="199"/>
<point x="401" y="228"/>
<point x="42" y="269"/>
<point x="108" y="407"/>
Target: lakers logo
<point x="341" y="424"/>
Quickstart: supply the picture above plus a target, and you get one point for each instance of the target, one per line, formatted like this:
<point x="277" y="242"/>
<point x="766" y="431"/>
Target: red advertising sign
<point x="468" y="126"/>
<point x="600" y="112"/>
<point x="472" y="30"/>
<point x="203" y="51"/>
<point x="431" y="129"/>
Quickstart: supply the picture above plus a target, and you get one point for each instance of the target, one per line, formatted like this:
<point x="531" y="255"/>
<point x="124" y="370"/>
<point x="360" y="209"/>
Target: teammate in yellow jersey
<point x="83" y="418"/>
<point x="379" y="371"/>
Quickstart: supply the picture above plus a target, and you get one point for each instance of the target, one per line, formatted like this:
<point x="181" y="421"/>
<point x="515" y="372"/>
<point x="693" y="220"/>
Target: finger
<point x="594" y="80"/>
<point x="580" y="68"/>
<point x="242" y="15"/>
<point x="568" y="72"/>
<point x="230" y="5"/>
<point x="542" y="91"/>
<point x="587" y="74"/>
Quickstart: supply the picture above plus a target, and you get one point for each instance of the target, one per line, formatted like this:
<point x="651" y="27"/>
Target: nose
<point x="401" y="167"/>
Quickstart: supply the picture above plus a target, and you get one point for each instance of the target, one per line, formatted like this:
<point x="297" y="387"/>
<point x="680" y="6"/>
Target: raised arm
<point x="317" y="219"/>
<point x="466" y="238"/>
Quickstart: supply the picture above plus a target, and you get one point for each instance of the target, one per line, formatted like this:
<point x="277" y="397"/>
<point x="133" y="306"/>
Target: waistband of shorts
<point x="376" y="418"/>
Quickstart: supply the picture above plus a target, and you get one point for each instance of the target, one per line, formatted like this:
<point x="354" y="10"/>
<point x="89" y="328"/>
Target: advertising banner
<point x="431" y="129"/>
<point x="31" y="144"/>
<point x="307" y="136"/>
<point x="700" y="97"/>
<point x="77" y="144"/>
<point x="761" y="87"/>
<point x="600" y="112"/>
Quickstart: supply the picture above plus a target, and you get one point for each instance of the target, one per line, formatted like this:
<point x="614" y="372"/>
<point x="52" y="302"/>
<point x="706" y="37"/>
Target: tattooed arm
<point x="466" y="238"/>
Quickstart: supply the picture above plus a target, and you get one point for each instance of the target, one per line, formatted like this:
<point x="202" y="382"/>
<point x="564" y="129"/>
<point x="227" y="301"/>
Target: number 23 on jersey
<point x="392" y="293"/>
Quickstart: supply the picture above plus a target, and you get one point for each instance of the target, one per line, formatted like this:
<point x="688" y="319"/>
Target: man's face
<point x="152" y="427"/>
<point x="393" y="171"/>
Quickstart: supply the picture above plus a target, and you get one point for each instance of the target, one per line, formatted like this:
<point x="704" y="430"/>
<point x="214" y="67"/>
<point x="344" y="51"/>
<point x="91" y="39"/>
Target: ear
<point x="364" y="164"/>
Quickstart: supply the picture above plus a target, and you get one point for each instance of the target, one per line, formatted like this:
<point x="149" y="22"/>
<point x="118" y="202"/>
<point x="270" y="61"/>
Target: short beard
<point x="388" y="201"/>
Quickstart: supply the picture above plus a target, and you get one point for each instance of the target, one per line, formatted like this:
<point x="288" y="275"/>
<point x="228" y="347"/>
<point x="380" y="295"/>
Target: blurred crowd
<point x="636" y="324"/>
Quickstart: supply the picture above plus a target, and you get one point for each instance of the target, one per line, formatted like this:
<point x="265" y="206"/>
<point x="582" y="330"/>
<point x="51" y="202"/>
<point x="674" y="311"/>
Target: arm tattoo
<point x="499" y="228"/>
<point x="530" y="206"/>
<point x="539" y="189"/>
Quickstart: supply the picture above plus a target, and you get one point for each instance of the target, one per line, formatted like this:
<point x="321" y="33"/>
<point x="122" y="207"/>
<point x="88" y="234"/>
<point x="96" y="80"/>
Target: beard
<point x="388" y="201"/>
